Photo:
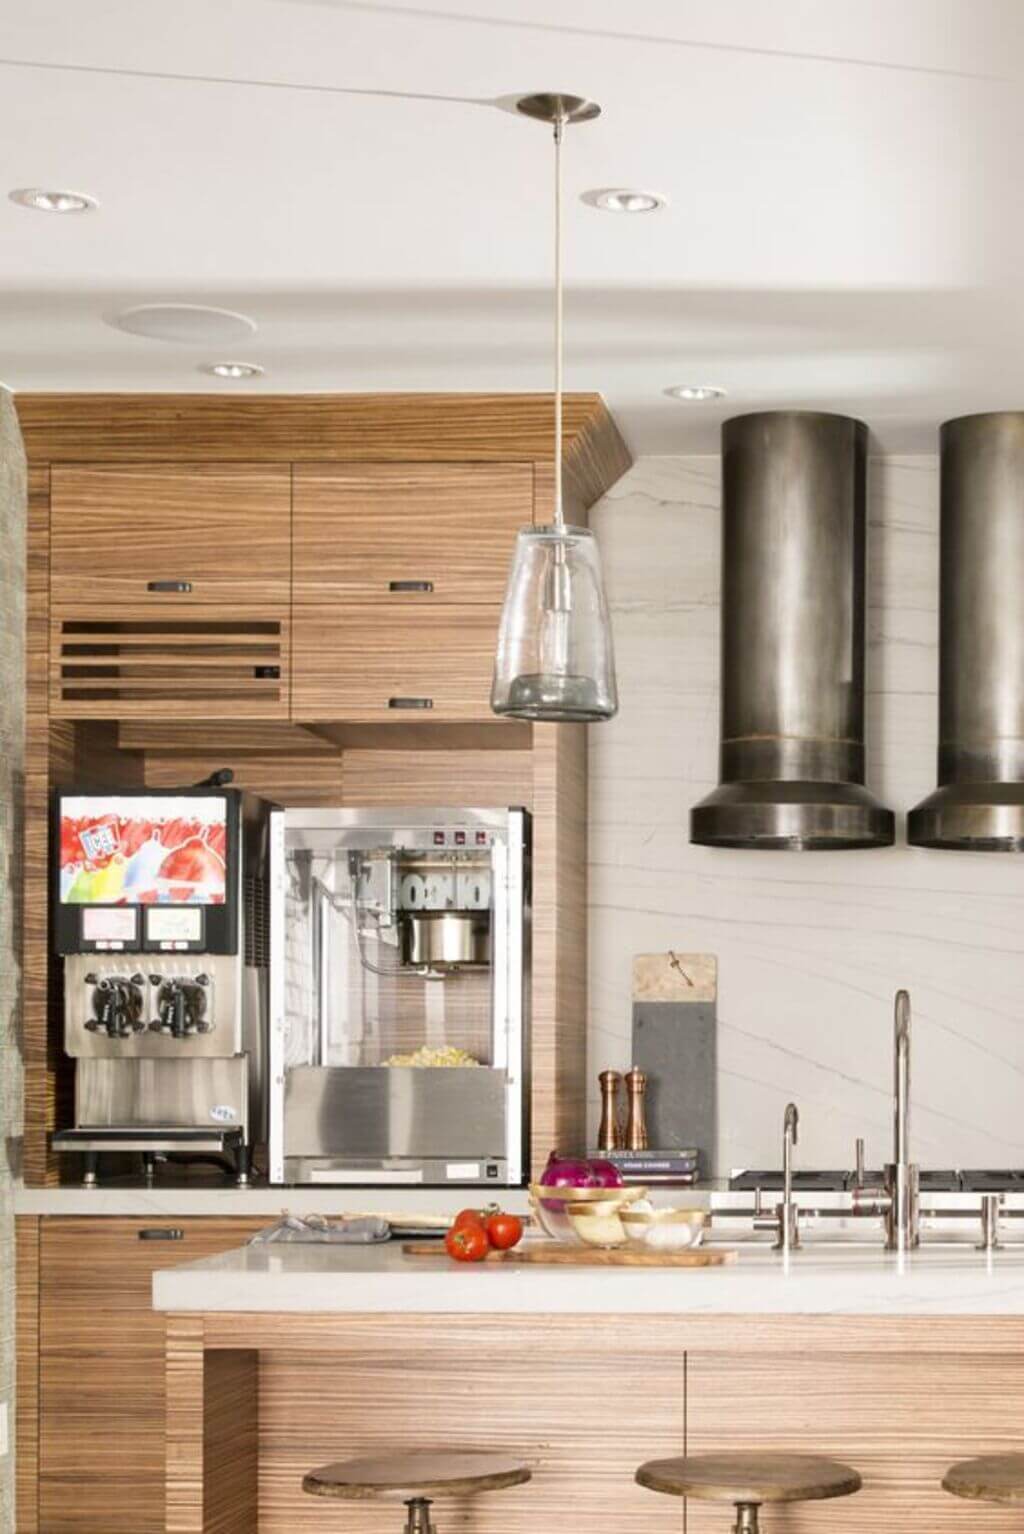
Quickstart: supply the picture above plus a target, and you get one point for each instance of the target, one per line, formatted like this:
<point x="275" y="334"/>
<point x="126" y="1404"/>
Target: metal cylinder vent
<point x="979" y="804"/>
<point x="792" y="686"/>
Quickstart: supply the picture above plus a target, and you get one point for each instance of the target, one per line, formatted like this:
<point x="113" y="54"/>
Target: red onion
<point x="564" y="1172"/>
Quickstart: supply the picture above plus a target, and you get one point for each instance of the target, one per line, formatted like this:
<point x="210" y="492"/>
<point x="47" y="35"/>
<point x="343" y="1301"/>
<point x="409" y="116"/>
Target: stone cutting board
<point x="675" y="1027"/>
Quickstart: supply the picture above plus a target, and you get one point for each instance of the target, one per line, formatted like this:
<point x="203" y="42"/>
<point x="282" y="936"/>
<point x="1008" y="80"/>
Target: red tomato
<point x="473" y="1216"/>
<point x="467" y="1243"/>
<point x="504" y="1230"/>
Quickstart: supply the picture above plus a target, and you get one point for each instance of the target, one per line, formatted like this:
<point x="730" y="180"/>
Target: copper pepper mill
<point x="636" y="1122"/>
<point x="610" y="1136"/>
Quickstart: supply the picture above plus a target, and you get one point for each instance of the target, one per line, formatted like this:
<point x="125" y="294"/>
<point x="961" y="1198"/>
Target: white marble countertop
<point x="943" y="1280"/>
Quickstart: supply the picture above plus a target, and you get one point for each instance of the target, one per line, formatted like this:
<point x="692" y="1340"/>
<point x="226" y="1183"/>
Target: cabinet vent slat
<point x="167" y="660"/>
<point x="144" y="636"/>
<point x="104" y="668"/>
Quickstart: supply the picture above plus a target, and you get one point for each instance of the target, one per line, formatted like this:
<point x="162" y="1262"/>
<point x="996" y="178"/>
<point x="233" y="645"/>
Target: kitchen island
<point x="280" y="1358"/>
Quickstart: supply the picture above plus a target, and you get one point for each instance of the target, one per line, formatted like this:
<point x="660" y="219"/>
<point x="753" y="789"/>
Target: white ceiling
<point x="845" y="226"/>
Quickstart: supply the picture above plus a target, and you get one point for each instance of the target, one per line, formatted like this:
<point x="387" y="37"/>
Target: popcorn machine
<point x="398" y="959"/>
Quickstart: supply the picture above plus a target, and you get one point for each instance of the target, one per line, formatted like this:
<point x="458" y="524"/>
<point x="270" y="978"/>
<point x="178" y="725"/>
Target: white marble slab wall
<point x="811" y="946"/>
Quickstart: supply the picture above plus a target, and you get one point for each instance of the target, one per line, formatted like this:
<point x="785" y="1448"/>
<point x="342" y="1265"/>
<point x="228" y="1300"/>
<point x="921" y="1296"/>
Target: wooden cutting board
<point x="555" y="1254"/>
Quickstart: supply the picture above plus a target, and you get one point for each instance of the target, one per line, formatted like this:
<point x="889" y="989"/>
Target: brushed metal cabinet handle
<point x="410" y="586"/>
<point x="410" y="703"/>
<point x="162" y="1233"/>
<point x="177" y="588"/>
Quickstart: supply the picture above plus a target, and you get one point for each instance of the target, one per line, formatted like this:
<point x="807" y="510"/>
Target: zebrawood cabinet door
<point x="134" y="662"/>
<point x="170" y="535"/>
<point x="408" y="534"/>
<point x="366" y="663"/>
<point x="101" y="1366"/>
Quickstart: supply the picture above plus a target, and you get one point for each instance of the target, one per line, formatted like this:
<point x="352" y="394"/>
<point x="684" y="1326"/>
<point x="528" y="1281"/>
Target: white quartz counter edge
<point x="166" y="1203"/>
<point x="943" y="1281"/>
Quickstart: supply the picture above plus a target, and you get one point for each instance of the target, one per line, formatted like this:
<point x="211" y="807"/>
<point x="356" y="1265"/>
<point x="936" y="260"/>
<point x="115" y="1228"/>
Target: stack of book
<point x="668" y="1168"/>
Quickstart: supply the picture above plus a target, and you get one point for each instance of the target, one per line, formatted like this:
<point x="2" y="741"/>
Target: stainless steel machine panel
<point x="157" y="1093"/>
<point x="215" y="978"/>
<point x="393" y="1112"/>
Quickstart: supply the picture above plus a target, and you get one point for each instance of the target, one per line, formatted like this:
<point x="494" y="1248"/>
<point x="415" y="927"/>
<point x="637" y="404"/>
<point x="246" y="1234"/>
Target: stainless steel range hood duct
<point x="792" y="688"/>
<point x="979" y="804"/>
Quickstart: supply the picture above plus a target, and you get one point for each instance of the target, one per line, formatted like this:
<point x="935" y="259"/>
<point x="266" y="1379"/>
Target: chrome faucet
<point x="784" y="1221"/>
<point x="789" y="1229"/>
<point x="902" y="1178"/>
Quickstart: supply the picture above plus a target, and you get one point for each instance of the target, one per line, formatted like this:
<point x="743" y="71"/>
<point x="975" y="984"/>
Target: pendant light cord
<point x="559" y="512"/>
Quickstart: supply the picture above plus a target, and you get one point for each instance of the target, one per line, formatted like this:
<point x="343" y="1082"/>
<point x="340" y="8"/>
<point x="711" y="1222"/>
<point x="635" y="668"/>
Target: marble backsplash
<point x="812" y="946"/>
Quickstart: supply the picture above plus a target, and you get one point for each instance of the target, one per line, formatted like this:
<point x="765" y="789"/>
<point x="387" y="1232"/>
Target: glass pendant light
<point x="554" y="660"/>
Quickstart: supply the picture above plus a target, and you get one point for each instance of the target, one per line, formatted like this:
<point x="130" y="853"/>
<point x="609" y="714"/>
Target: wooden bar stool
<point x="748" y="1480"/>
<point x="415" y="1479"/>
<point x="993" y="1478"/>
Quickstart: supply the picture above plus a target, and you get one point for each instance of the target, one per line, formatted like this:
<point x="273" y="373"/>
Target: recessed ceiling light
<point x="624" y="199"/>
<point x="695" y="394"/>
<point x="186" y="324"/>
<point x="47" y="201"/>
<point x="233" y="369"/>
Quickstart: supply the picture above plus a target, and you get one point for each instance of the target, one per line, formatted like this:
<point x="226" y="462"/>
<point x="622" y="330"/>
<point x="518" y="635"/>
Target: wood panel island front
<point x="282" y="1358"/>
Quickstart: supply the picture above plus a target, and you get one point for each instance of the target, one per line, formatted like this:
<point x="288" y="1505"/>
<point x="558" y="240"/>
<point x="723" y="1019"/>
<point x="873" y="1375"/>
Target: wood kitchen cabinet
<point x="170" y="590"/>
<point x="170" y="536"/>
<point x="408" y="534"/>
<point x="364" y="663"/>
<point x="101" y="1367"/>
<point x="404" y="509"/>
<point x="127" y="661"/>
<point x="399" y="577"/>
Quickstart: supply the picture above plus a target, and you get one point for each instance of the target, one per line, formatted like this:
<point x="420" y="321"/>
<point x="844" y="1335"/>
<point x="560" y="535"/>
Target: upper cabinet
<point x="415" y="534"/>
<point x="319" y="558"/>
<point x="399" y="576"/>
<point x="170" y="535"/>
<point x="170" y="590"/>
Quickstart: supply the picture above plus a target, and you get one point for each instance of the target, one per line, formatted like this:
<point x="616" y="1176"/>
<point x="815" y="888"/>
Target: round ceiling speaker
<point x="187" y="324"/>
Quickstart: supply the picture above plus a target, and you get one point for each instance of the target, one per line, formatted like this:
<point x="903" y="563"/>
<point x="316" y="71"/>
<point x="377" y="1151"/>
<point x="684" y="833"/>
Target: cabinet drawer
<point x="139" y="663"/>
<point x="170" y="535"/>
<point x="101" y="1367"/>
<point x="408" y="534"/>
<point x="366" y="662"/>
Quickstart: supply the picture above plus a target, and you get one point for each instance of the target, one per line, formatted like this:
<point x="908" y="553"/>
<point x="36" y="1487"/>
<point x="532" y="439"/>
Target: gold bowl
<point x="664" y="1230"/>
<point x="551" y="1206"/>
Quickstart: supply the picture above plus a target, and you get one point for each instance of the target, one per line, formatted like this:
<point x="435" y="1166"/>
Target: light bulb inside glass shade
<point x="554" y="659"/>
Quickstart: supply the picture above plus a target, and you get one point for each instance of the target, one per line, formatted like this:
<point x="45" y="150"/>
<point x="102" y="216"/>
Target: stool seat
<point x="419" y="1474"/>
<point x="750" y="1478"/>
<point x="992" y="1478"/>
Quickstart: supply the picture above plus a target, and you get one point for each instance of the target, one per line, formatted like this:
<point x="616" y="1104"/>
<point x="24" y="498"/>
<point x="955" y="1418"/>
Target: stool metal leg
<point x="746" y="1518"/>
<point x="418" y="1521"/>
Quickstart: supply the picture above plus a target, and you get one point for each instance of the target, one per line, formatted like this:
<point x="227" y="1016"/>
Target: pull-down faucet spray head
<point x="901" y="1082"/>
